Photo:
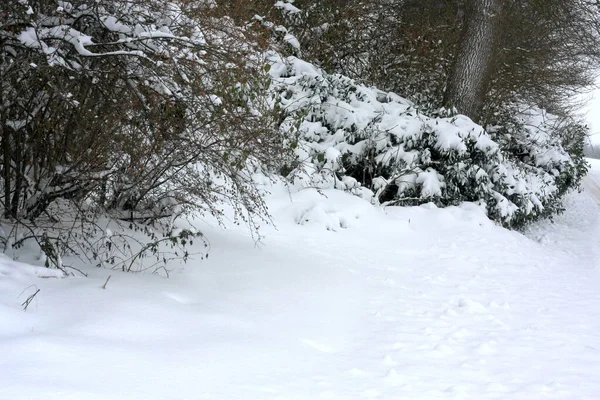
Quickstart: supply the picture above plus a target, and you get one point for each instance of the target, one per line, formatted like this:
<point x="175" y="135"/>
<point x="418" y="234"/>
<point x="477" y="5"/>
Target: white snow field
<point x="343" y="301"/>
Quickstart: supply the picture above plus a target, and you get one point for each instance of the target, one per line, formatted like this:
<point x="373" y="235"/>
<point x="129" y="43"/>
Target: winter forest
<point x="257" y="168"/>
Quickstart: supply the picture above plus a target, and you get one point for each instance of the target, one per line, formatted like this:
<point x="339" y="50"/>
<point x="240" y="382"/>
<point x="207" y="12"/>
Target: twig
<point x="76" y="269"/>
<point x="29" y="299"/>
<point x="105" y="283"/>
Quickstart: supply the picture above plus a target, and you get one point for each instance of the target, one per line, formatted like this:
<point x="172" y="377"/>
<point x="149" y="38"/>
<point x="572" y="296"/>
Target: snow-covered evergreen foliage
<point x="354" y="137"/>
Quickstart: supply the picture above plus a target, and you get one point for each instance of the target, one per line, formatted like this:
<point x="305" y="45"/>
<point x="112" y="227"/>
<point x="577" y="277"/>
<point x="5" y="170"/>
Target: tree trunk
<point x="473" y="66"/>
<point x="5" y="137"/>
<point x="6" y="168"/>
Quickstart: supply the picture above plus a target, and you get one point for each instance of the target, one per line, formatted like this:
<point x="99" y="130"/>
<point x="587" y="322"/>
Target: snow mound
<point x="330" y="209"/>
<point x="10" y="269"/>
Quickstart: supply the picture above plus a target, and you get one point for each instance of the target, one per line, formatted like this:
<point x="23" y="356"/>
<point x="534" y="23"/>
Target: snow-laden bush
<point x="358" y="138"/>
<point x="138" y="111"/>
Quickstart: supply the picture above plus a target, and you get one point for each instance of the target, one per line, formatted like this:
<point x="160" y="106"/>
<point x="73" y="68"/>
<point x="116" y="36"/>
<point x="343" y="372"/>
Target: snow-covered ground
<point x="342" y="301"/>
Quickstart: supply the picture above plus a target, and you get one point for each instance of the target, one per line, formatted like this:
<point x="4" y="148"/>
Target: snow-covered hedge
<point x="361" y="139"/>
<point x="140" y="111"/>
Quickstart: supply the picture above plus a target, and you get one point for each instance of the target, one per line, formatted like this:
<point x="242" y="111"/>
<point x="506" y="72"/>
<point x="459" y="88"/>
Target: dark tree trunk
<point x="473" y="66"/>
<point x="6" y="168"/>
<point x="6" y="153"/>
<point x="18" y="169"/>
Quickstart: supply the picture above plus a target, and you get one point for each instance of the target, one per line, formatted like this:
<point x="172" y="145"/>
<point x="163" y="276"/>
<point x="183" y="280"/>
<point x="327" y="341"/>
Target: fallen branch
<point x="105" y="283"/>
<point x="29" y="299"/>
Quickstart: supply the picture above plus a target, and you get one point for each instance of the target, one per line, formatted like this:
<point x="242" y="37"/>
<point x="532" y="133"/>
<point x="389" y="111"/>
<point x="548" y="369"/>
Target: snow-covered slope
<point x="342" y="301"/>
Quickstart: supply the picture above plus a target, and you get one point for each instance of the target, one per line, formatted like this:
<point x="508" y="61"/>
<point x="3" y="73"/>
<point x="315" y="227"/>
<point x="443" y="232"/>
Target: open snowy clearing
<point x="342" y="301"/>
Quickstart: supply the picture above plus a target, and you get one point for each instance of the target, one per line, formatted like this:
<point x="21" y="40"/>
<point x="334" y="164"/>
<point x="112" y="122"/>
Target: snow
<point x="112" y="24"/>
<point x="30" y="37"/>
<point x="431" y="181"/>
<point x="342" y="300"/>
<point x="287" y="7"/>
<point x="292" y="40"/>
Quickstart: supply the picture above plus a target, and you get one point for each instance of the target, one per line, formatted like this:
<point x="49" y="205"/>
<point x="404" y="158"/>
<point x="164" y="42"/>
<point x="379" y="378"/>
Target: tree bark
<point x="5" y="136"/>
<point x="473" y="66"/>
